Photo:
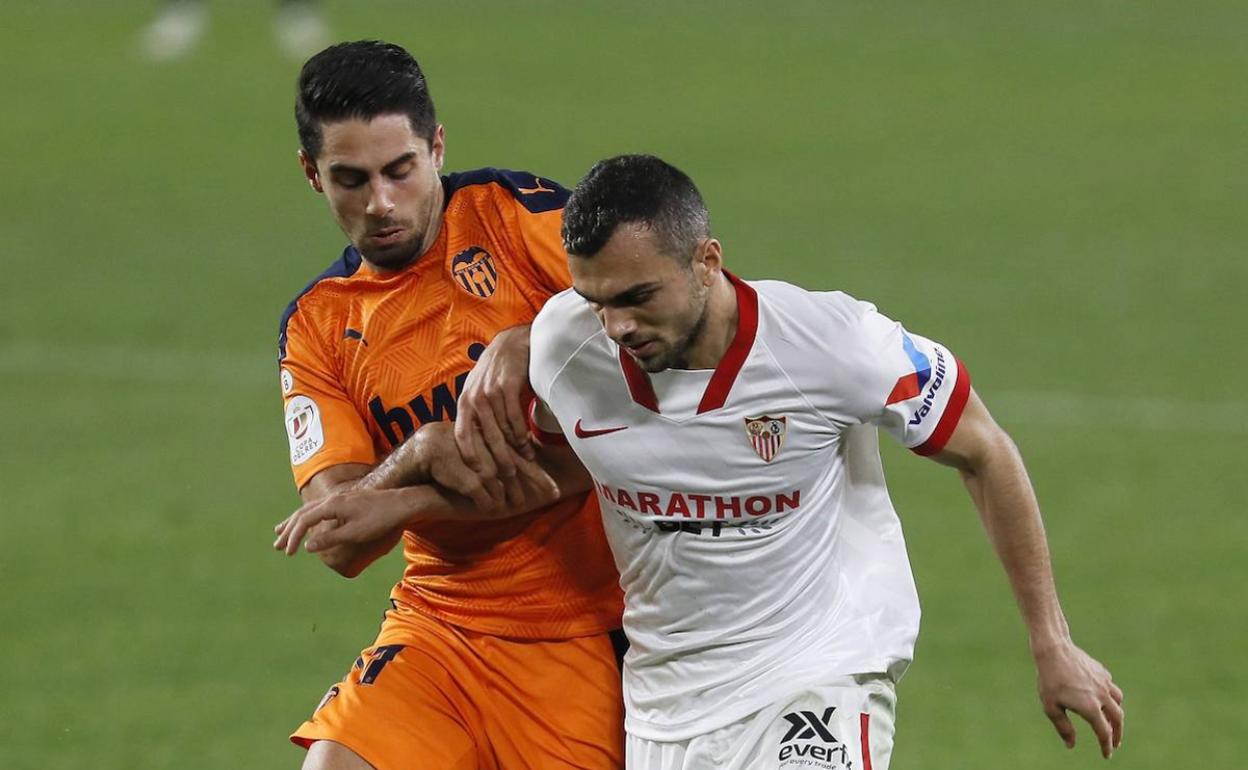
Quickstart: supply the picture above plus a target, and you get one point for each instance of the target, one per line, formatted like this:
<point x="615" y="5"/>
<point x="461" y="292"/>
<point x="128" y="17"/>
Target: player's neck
<point x="720" y="327"/>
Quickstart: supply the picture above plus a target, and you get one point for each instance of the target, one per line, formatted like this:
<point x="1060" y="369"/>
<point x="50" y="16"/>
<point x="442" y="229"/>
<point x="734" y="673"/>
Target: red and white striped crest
<point x="766" y="435"/>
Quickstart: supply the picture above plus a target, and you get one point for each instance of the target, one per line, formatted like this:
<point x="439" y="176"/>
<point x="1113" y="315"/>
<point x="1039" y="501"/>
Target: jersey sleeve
<point x="543" y="425"/>
<point x="322" y="424"/>
<point x="538" y="223"/>
<point x="908" y="385"/>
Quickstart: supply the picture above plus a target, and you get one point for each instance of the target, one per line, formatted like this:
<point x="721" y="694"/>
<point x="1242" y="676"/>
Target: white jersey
<point x="758" y="549"/>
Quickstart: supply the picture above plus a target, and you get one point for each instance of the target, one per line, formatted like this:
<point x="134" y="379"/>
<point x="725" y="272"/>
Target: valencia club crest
<point x="766" y="434"/>
<point x="474" y="270"/>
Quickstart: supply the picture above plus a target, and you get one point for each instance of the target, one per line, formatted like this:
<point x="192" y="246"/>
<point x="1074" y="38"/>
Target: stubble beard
<point x="677" y="356"/>
<point x="397" y="256"/>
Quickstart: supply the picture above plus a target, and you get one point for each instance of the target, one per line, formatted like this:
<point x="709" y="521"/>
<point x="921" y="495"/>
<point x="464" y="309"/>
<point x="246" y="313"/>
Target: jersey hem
<point x="502" y="628"/>
<point x="683" y="731"/>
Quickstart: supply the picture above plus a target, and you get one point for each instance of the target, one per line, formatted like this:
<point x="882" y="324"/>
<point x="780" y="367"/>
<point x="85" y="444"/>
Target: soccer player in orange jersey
<point x="497" y="650"/>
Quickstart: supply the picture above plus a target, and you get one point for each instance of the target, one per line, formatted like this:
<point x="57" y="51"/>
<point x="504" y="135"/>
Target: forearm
<point x="350" y="523"/>
<point x="432" y="502"/>
<point x="1007" y="506"/>
<point x="407" y="464"/>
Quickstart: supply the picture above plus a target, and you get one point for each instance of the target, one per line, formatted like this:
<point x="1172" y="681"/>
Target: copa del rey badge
<point x="766" y="435"/>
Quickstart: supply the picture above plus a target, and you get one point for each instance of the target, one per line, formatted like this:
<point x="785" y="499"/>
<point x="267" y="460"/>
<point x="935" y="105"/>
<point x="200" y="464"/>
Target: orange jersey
<point x="367" y="358"/>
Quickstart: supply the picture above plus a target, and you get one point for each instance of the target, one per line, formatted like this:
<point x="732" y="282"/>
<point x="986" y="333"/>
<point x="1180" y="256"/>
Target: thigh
<point x="847" y="725"/>
<point x="553" y="705"/>
<point x="405" y="703"/>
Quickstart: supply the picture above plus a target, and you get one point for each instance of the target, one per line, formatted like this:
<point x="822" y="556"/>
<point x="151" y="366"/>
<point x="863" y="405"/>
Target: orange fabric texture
<point x="366" y="358"/>
<point x="428" y="694"/>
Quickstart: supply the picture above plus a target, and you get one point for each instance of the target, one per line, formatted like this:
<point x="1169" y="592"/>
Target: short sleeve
<point x="910" y="386"/>
<point x="539" y="219"/>
<point x="322" y="424"/>
<point x="544" y="427"/>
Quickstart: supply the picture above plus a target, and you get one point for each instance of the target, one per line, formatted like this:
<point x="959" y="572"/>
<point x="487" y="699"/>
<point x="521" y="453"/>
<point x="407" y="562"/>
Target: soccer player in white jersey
<point x="730" y="428"/>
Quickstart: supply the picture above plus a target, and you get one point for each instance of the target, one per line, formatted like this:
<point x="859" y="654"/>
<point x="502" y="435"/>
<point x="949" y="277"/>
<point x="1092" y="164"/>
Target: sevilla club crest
<point x="766" y="434"/>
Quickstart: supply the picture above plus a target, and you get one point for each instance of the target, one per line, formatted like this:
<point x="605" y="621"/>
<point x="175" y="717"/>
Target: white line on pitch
<point x="121" y="363"/>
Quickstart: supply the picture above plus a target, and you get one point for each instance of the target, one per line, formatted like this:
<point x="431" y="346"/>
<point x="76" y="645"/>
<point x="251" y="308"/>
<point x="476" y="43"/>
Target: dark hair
<point x="361" y="80"/>
<point x="635" y="188"/>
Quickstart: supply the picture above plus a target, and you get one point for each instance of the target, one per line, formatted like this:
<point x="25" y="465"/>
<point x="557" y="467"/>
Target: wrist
<point x="1049" y="639"/>
<point x="416" y="505"/>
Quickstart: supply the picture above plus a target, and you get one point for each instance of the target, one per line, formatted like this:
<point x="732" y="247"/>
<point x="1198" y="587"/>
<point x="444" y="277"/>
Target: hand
<point x="529" y="487"/>
<point x="431" y="455"/>
<point x="356" y="517"/>
<point x="443" y="464"/>
<point x="492" y="405"/>
<point x="1069" y="678"/>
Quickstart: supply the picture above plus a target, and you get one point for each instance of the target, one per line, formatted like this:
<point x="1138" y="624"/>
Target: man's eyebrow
<point x="622" y="296"/>
<point x="404" y="158"/>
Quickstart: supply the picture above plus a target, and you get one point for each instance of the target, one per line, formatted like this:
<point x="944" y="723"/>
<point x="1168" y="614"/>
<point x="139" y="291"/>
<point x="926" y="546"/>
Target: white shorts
<point x="846" y="724"/>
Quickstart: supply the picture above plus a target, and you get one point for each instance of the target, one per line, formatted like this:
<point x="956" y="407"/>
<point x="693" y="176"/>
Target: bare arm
<point x="429" y="456"/>
<point x="492" y="405"/>
<point x="349" y="523"/>
<point x="1067" y="677"/>
<point x="348" y="560"/>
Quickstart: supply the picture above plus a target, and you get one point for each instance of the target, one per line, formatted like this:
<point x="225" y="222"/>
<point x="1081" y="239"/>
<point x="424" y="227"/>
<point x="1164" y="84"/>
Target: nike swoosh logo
<point x="582" y="433"/>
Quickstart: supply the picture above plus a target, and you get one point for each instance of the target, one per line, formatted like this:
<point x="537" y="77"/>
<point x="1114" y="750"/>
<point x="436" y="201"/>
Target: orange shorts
<point x="430" y="694"/>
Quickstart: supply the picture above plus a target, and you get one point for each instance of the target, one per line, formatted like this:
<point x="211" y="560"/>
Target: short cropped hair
<point x="631" y="189"/>
<point x="361" y="80"/>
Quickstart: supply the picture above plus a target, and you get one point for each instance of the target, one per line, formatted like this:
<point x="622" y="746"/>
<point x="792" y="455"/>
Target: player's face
<point x="381" y="181"/>
<point x="651" y="305"/>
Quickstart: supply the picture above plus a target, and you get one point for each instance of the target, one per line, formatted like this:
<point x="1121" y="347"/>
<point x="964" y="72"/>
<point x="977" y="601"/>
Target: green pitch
<point x="1057" y="190"/>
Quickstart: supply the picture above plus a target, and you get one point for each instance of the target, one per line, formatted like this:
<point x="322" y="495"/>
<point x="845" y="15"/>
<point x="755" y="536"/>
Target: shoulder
<point x="341" y="269"/>
<point x="813" y="318"/>
<point x="827" y="341"/>
<point x="536" y="194"/>
<point x="562" y="328"/>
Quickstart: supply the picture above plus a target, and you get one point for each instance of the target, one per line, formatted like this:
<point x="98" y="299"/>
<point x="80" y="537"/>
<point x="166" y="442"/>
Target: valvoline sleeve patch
<point x="928" y="395"/>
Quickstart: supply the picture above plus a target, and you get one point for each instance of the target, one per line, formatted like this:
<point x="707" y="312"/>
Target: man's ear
<point x="709" y="258"/>
<point x="437" y="147"/>
<point x="309" y="171"/>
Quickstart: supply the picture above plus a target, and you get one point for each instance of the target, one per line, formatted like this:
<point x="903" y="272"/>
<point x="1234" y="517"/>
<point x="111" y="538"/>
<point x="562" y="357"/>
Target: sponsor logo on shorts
<point x="810" y="742"/>
<point x="303" y="428"/>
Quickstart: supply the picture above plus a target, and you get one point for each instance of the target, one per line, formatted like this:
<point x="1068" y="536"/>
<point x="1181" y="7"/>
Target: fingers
<point x="1117" y="721"/>
<point x="1104" y="733"/>
<point x="496" y="444"/>
<point x="516" y="497"/>
<point x="452" y="472"/>
<point x="1115" y="692"/>
<point x="487" y="467"/>
<point x="465" y="425"/>
<point x="324" y="540"/>
<point x="535" y="475"/>
<point x="1093" y="712"/>
<point x="1057" y="715"/>
<point x="299" y="523"/>
<point x="516" y="425"/>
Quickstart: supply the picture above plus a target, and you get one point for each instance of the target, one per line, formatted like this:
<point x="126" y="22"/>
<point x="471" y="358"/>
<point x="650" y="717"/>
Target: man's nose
<point x="380" y="200"/>
<point x="619" y="323"/>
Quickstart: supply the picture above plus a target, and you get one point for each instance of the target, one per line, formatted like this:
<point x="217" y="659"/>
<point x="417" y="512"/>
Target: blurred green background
<point x="1057" y="190"/>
